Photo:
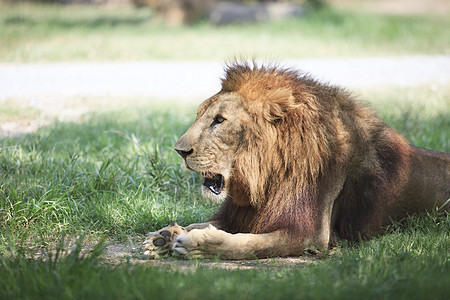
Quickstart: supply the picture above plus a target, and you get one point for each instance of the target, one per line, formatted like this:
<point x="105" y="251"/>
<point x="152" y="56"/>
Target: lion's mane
<point x="300" y="133"/>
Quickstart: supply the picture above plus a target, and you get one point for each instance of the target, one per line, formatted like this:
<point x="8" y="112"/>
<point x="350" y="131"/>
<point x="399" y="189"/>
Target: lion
<point x="298" y="166"/>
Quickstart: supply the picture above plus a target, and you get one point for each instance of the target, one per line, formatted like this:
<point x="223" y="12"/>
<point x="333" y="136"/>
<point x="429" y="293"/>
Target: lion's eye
<point x="218" y="120"/>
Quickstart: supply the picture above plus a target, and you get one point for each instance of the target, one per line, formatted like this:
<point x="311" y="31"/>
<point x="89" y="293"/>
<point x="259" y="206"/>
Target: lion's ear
<point x="277" y="103"/>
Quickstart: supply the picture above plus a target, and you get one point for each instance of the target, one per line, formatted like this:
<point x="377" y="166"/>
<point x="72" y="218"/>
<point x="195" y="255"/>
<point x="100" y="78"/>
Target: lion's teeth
<point x="207" y="174"/>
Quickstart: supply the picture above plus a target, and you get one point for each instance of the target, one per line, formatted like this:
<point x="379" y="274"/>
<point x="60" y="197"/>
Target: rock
<point x="230" y="12"/>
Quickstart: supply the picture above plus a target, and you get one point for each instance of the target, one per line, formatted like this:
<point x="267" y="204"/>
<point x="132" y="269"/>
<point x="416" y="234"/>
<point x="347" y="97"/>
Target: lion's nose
<point x="184" y="153"/>
<point x="183" y="146"/>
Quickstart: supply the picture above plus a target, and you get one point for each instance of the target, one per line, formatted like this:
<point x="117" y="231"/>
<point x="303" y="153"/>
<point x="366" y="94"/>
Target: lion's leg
<point x="202" y="225"/>
<point x="210" y="242"/>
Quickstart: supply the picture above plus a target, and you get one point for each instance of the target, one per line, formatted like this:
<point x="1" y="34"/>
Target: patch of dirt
<point x="117" y="253"/>
<point x="20" y="127"/>
<point x="45" y="112"/>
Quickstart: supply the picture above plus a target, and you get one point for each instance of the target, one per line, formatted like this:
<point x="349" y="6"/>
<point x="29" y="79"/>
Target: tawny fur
<point x="307" y="164"/>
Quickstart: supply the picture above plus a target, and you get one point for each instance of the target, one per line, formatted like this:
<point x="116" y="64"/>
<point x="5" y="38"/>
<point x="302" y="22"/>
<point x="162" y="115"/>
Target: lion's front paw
<point x="198" y="243"/>
<point x="158" y="244"/>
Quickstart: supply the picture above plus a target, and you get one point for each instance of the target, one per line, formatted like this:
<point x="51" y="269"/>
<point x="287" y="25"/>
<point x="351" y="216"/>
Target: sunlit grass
<point x="109" y="173"/>
<point x="420" y="113"/>
<point x="79" y="33"/>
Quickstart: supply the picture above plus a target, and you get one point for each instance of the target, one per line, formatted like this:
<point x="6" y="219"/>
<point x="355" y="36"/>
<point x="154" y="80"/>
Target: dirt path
<point x="117" y="253"/>
<point x="197" y="80"/>
<point x="65" y="91"/>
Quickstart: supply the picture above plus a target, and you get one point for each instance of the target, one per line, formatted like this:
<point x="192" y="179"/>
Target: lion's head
<point x="255" y="135"/>
<point x="210" y="144"/>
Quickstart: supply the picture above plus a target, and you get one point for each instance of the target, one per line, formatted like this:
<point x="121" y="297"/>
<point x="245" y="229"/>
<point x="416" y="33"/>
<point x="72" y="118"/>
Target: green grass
<point x="421" y="113"/>
<point x="30" y="32"/>
<point x="412" y="263"/>
<point x="115" y="175"/>
<point x="104" y="173"/>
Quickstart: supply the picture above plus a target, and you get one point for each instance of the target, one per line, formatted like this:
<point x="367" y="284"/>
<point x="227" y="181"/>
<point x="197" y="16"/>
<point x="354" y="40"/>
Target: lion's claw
<point x="158" y="244"/>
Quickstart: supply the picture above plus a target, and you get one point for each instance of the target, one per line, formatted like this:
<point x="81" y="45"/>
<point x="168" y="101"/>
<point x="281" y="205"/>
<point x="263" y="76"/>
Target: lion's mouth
<point x="215" y="182"/>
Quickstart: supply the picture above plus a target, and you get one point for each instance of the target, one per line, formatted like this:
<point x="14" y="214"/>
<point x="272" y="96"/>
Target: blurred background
<point x="133" y="30"/>
<point x="63" y="58"/>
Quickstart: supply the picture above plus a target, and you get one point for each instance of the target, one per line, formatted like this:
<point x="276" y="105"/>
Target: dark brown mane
<point x="284" y="151"/>
<point x="293" y="141"/>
